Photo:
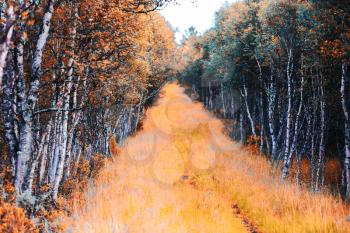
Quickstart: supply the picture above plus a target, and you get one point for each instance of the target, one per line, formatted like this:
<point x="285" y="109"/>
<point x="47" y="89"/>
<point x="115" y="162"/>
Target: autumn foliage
<point x="277" y="71"/>
<point x="75" y="75"/>
<point x="14" y="220"/>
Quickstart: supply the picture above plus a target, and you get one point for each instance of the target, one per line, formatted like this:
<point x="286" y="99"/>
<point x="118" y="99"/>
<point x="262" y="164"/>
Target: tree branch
<point x="57" y="110"/>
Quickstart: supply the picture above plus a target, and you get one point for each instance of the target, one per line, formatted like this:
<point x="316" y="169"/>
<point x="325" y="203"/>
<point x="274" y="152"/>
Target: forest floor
<point x="181" y="173"/>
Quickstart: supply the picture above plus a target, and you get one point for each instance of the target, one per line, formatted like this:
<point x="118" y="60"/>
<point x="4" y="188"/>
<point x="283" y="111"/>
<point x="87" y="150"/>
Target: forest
<point x="78" y="77"/>
<point x="279" y="71"/>
<point x="73" y="74"/>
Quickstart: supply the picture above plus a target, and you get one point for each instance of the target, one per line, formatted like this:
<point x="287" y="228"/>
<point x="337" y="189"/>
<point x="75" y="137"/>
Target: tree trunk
<point x="35" y="162"/>
<point x="9" y="110"/>
<point x="297" y="122"/>
<point x="55" y="145"/>
<point x="75" y="120"/>
<point x="346" y="129"/>
<point x="223" y="100"/>
<point x="261" y="114"/>
<point x="27" y="104"/>
<point x="244" y="94"/>
<point x="43" y="162"/>
<point x="24" y="153"/>
<point x="261" y="107"/>
<point x="286" y="159"/>
<point x="6" y="44"/>
<point x="66" y="99"/>
<point x="314" y="137"/>
<point x="271" y="99"/>
<point x="321" y="152"/>
<point x="241" y="127"/>
<point x="210" y="97"/>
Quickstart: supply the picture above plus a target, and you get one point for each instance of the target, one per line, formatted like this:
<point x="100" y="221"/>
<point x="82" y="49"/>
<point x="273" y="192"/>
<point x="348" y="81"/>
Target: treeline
<point x="74" y="74"/>
<point x="279" y="69"/>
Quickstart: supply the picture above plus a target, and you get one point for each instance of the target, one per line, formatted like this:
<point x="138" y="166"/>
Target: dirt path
<point x="167" y="178"/>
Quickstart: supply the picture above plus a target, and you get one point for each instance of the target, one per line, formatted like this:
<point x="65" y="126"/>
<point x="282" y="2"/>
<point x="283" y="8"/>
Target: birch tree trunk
<point x="346" y="129"/>
<point x="43" y="162"/>
<point x="210" y="97"/>
<point x="289" y="116"/>
<point x="5" y="45"/>
<point x="242" y="127"/>
<point x="56" y="142"/>
<point x="261" y="107"/>
<point x="296" y="125"/>
<point x="244" y="94"/>
<point x="27" y="104"/>
<point x="271" y="99"/>
<point x="321" y="152"/>
<point x="9" y="110"/>
<point x="75" y="120"/>
<point x="299" y="113"/>
<point x="304" y="149"/>
<point x="66" y="99"/>
<point x="261" y="117"/>
<point x="314" y="137"/>
<point x="35" y="162"/>
<point x="223" y="99"/>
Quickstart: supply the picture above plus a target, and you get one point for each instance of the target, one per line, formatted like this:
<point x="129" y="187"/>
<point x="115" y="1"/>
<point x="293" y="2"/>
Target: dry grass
<point x="333" y="173"/>
<point x="277" y="206"/>
<point x="182" y="174"/>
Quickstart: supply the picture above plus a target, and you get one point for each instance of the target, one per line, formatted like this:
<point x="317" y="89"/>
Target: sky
<point x="185" y="14"/>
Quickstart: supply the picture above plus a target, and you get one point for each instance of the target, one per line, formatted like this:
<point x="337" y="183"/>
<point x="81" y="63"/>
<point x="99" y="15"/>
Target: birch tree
<point x="287" y="60"/>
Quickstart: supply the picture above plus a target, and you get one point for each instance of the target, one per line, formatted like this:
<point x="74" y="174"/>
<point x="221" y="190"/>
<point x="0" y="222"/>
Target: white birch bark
<point x="7" y="40"/>
<point x="76" y="115"/>
<point x="292" y="149"/>
<point x="223" y="100"/>
<point x="314" y="136"/>
<point x="241" y="127"/>
<point x="261" y="107"/>
<point x="289" y="115"/>
<point x="43" y="161"/>
<point x="261" y="116"/>
<point x="344" y="80"/>
<point x="55" y="146"/>
<point x="8" y="108"/>
<point x="321" y="152"/>
<point x="35" y="163"/>
<point x="28" y="104"/>
<point x="65" y="118"/>
<point x="271" y="99"/>
<point x="244" y="94"/>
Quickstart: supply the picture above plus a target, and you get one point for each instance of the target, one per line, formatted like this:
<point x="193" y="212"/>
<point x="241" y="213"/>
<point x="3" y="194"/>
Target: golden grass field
<point x="181" y="174"/>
